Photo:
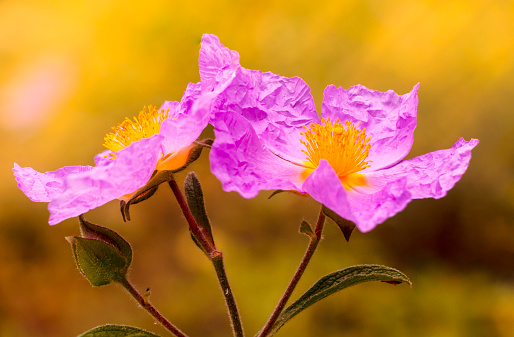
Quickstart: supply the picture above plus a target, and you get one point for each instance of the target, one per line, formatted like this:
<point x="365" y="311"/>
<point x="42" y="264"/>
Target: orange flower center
<point x="147" y="124"/>
<point x="344" y="146"/>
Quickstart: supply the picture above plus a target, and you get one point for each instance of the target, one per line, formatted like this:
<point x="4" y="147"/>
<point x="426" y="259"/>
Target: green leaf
<point x="194" y="196"/>
<point x="344" y="225"/>
<point x="117" y="331"/>
<point x="336" y="281"/>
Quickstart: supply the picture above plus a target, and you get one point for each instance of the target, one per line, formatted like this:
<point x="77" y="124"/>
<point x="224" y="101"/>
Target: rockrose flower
<point x="269" y="136"/>
<point x="158" y="139"/>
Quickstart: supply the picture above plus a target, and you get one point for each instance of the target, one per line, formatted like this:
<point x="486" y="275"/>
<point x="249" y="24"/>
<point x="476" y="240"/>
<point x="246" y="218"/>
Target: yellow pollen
<point x="344" y="146"/>
<point x="147" y="124"/>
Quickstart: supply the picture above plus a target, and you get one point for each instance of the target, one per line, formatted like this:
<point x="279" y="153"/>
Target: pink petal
<point x="46" y="186"/>
<point x="277" y="108"/>
<point x="365" y="210"/>
<point x="87" y="190"/>
<point x="388" y="118"/>
<point x="214" y="57"/>
<point x="185" y="123"/>
<point x="431" y="175"/>
<point x="242" y="163"/>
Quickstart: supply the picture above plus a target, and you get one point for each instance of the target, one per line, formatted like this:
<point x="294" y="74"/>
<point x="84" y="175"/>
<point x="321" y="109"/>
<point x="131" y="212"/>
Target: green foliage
<point x="117" y="331"/>
<point x="333" y="282"/>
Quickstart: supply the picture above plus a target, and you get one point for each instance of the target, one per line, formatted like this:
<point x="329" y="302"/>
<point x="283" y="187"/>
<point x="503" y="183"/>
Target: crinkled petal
<point x="389" y="119"/>
<point x="277" y="108"/>
<point x="431" y="175"/>
<point x="372" y="209"/>
<point x="214" y="59"/>
<point x="243" y="163"/>
<point x="365" y="210"/>
<point x="84" y="191"/>
<point x="324" y="186"/>
<point x="46" y="186"/>
<point x="185" y="123"/>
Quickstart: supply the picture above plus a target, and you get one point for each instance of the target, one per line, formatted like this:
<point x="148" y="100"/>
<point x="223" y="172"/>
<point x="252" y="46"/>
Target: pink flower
<point x="159" y="139"/>
<point x="269" y="136"/>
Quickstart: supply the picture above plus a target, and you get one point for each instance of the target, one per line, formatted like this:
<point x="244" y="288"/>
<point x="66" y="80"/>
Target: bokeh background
<point x="70" y="70"/>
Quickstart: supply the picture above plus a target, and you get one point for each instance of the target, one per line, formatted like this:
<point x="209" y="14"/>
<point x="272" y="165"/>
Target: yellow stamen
<point x="147" y="124"/>
<point x="344" y="146"/>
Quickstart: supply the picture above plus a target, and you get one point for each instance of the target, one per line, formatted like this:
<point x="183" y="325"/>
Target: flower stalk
<point x="313" y="244"/>
<point x="230" y="301"/>
<point x="216" y="258"/>
<point x="197" y="233"/>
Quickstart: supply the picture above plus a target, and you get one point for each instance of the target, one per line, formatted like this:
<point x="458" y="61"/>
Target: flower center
<point x="344" y="146"/>
<point x="147" y="124"/>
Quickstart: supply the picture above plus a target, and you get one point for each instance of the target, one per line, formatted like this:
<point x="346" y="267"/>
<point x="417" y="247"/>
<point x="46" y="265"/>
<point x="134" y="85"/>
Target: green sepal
<point x="145" y="192"/>
<point x="290" y="191"/>
<point x="337" y="281"/>
<point x="344" y="225"/>
<point x="117" y="331"/>
<point x="194" y="196"/>
<point x="196" y="152"/>
<point x="99" y="262"/>
<point x="161" y="176"/>
<point x="275" y="193"/>
<point x="305" y="228"/>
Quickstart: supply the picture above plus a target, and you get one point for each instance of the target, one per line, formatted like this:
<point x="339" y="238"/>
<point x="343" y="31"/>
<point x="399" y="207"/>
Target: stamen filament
<point x="147" y="124"/>
<point x="344" y="146"/>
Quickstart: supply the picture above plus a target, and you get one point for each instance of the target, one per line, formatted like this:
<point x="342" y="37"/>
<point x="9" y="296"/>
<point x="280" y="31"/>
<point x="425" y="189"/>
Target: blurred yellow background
<point x="70" y="70"/>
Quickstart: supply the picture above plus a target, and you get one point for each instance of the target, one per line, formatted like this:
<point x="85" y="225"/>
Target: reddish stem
<point x="193" y="226"/>
<point x="150" y="308"/>
<point x="216" y="258"/>
<point x="296" y="278"/>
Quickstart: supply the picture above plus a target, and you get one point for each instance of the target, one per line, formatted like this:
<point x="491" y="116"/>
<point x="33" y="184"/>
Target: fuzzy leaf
<point x="336" y="281"/>
<point x="117" y="331"/>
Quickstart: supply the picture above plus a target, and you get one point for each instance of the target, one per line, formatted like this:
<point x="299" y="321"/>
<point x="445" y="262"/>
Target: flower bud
<point x="101" y="255"/>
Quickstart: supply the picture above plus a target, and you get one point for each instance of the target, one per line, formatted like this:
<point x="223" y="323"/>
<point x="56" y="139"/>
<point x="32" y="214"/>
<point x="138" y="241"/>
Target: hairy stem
<point x="230" y="301"/>
<point x="296" y="278"/>
<point x="207" y="247"/>
<point x="216" y="258"/>
<point x="150" y="308"/>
